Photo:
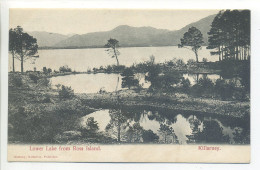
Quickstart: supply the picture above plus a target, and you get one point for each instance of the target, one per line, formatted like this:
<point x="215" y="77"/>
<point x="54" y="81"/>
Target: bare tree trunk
<point x="116" y="56"/>
<point x="117" y="83"/>
<point x="197" y="57"/>
<point x="13" y="62"/>
<point x="219" y="55"/>
<point x="21" y="64"/>
<point x="118" y="132"/>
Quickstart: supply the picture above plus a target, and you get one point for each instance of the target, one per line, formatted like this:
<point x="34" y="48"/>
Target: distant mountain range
<point x="126" y="35"/>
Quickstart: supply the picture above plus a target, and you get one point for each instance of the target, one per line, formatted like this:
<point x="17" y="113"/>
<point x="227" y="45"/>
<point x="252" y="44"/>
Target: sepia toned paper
<point x="127" y="85"/>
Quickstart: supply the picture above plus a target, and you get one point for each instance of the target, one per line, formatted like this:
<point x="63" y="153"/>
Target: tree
<point x="134" y="133"/>
<point x="26" y="46"/>
<point x="215" y="39"/>
<point x="65" y="92"/>
<point x="153" y="76"/>
<point x="165" y="131"/>
<point x="92" y="125"/>
<point x="64" y="69"/>
<point x="230" y="35"/>
<point x="113" y="44"/>
<point x="148" y="136"/>
<point x="194" y="39"/>
<point x="128" y="79"/>
<point x="12" y="44"/>
<point x="118" y="123"/>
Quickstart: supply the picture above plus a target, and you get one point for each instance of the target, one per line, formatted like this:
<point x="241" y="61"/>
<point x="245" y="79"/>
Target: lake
<point x="92" y="83"/>
<point x="184" y="128"/>
<point x="84" y="59"/>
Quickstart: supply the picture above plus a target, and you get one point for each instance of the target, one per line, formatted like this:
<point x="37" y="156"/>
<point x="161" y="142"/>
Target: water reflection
<point x="92" y="83"/>
<point x="194" y="78"/>
<point x="166" y="126"/>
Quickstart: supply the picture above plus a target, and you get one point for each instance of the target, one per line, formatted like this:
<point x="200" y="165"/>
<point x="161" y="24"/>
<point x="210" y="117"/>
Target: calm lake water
<point x="83" y="59"/>
<point x="186" y="127"/>
<point x="92" y="83"/>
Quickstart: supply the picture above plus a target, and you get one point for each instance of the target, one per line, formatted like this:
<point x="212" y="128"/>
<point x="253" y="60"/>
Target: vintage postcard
<point x="129" y="85"/>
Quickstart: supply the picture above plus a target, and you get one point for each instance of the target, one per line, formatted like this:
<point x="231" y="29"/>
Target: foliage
<point x="34" y="77"/>
<point x="204" y="87"/>
<point x="65" y="92"/>
<point x="185" y="85"/>
<point x="134" y="133"/>
<point x="204" y="60"/>
<point x="230" y="35"/>
<point x="91" y="125"/>
<point x="194" y="39"/>
<point x="118" y="123"/>
<point x="211" y="133"/>
<point x="180" y="63"/>
<point x="149" y="136"/>
<point x="65" y="69"/>
<point x="112" y="45"/>
<point x="43" y="82"/>
<point x="165" y="131"/>
<point x="128" y="79"/>
<point x="15" y="80"/>
<point x="46" y="70"/>
<point x="191" y="62"/>
<point x="12" y="45"/>
<point x="22" y="45"/>
<point x="153" y="76"/>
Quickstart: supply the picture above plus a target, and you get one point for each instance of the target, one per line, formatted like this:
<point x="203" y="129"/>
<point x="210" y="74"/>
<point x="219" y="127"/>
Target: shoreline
<point x="129" y="98"/>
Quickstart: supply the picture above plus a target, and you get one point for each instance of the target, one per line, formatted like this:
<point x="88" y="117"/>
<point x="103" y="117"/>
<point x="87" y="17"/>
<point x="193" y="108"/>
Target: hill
<point x="45" y="39"/>
<point x="127" y="36"/>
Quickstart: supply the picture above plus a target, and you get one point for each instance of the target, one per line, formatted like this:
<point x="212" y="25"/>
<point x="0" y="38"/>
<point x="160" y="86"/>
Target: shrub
<point x="34" y="78"/>
<point x="15" y="80"/>
<point x="128" y="79"/>
<point x="44" y="82"/>
<point x="204" y="60"/>
<point x="225" y="89"/>
<point x="204" y="87"/>
<point x="180" y="63"/>
<point x="102" y="90"/>
<point x="44" y="69"/>
<point x="92" y="125"/>
<point x="65" y="93"/>
<point x="185" y="84"/>
<point x="191" y="62"/>
<point x="149" y="136"/>
<point x="49" y="70"/>
<point x="65" y="69"/>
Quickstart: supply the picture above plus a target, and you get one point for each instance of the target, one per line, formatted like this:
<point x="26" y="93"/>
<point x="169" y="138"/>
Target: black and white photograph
<point x="129" y="77"/>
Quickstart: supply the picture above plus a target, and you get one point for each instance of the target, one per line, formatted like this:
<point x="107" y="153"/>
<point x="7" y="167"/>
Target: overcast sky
<point x="81" y="21"/>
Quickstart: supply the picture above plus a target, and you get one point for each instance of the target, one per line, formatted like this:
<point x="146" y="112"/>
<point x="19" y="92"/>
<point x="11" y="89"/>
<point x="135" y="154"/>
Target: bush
<point x="191" y="62"/>
<point x="128" y="79"/>
<point x="44" y="82"/>
<point x="185" y="84"/>
<point x="204" y="60"/>
<point x="34" y="78"/>
<point x="91" y="125"/>
<point x="180" y="63"/>
<point x="204" y="87"/>
<point x="226" y="89"/>
<point x="15" y="80"/>
<point x="65" y="93"/>
<point x="65" y="69"/>
<point x="149" y="136"/>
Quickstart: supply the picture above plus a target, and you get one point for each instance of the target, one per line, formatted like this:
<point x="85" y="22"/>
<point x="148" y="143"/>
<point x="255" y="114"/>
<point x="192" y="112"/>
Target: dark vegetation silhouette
<point x="22" y="46"/>
<point x="193" y="39"/>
